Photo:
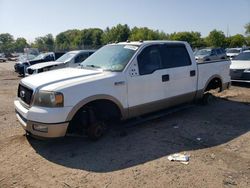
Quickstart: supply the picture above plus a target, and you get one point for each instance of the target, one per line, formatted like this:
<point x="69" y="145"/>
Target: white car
<point x="240" y="67"/>
<point x="70" y="59"/>
<point x="117" y="82"/>
<point x="233" y="52"/>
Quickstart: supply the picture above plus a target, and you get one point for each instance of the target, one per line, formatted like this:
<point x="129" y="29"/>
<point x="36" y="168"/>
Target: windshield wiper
<point x="93" y="66"/>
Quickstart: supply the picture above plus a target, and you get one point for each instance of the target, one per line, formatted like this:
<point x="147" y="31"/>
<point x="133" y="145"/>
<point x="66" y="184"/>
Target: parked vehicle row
<point x="70" y="59"/>
<point x="117" y="82"/>
<point x="21" y="66"/>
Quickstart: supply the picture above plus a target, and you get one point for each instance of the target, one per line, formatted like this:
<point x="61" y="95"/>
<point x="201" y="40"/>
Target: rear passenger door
<point x="181" y="72"/>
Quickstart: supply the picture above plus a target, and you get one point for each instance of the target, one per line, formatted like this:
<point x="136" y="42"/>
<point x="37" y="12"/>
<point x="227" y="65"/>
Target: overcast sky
<point x="33" y="18"/>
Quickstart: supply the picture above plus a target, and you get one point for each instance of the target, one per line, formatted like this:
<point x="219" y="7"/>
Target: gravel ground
<point x="216" y="137"/>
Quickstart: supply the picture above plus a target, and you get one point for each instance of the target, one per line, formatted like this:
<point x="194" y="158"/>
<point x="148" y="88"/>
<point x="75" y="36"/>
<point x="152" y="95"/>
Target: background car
<point x="233" y="52"/>
<point x="210" y="54"/>
<point x="240" y="67"/>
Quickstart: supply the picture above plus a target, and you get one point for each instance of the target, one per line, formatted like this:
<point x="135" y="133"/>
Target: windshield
<point x="26" y="57"/>
<point x="66" y="57"/>
<point x="233" y="51"/>
<point x="243" y="56"/>
<point x="41" y="56"/>
<point x="204" y="52"/>
<point x="111" y="57"/>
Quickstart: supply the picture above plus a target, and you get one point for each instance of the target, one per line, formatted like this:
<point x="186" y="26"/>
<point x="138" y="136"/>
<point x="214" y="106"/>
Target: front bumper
<point x="40" y="129"/>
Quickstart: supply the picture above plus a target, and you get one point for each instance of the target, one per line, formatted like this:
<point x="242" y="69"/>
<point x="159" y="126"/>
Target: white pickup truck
<point x="119" y="81"/>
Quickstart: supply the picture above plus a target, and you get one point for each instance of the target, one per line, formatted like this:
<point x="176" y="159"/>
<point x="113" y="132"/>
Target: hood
<point x="237" y="64"/>
<point x="232" y="54"/>
<point x="63" y="76"/>
<point x="45" y="64"/>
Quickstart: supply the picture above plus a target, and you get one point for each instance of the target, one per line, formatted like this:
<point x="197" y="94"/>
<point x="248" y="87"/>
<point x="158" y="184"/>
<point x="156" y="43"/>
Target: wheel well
<point x="214" y="84"/>
<point x="104" y="110"/>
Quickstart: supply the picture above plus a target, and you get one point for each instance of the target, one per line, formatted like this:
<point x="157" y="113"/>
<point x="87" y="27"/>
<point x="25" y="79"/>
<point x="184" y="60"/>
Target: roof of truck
<point x="139" y="43"/>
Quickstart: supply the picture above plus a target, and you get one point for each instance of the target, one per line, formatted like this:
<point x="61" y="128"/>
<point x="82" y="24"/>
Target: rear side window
<point x="174" y="56"/>
<point x="149" y="60"/>
<point x="218" y="51"/>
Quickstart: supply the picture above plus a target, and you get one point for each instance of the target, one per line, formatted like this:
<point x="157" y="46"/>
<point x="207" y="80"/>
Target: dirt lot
<point x="220" y="158"/>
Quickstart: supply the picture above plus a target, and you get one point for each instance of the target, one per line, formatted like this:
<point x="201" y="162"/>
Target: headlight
<point x="48" y="99"/>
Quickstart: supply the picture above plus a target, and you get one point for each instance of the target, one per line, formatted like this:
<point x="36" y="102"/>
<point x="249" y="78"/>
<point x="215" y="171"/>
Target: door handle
<point x="192" y="73"/>
<point x="165" y="78"/>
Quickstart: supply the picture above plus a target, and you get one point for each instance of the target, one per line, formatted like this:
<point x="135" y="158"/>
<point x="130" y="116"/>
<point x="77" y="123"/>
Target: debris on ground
<point x="183" y="158"/>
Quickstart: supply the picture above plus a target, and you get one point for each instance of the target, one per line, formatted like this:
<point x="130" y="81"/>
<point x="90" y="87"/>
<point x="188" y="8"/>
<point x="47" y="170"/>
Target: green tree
<point x="90" y="38"/>
<point x="193" y="38"/>
<point x="145" y="33"/>
<point x="117" y="33"/>
<point x="20" y="44"/>
<point x="237" y="41"/>
<point x="45" y="43"/>
<point x="49" y="42"/>
<point x="39" y="43"/>
<point x="247" y="27"/>
<point x="68" y="40"/>
<point x="6" y="42"/>
<point x="216" y="39"/>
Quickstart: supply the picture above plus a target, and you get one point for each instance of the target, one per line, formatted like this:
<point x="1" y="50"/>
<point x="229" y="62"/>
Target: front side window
<point x="149" y="60"/>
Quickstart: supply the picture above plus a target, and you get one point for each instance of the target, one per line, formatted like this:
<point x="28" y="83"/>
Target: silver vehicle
<point x="210" y="54"/>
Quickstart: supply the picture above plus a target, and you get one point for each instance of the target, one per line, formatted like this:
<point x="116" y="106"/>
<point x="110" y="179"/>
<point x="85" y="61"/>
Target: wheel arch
<point x="215" y="79"/>
<point x="88" y="100"/>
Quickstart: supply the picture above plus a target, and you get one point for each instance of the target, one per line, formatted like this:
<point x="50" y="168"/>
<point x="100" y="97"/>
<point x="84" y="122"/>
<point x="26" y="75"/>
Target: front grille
<point x="25" y="94"/>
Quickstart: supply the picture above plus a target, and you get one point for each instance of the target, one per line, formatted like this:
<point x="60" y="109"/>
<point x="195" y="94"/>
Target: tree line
<point x="94" y="38"/>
